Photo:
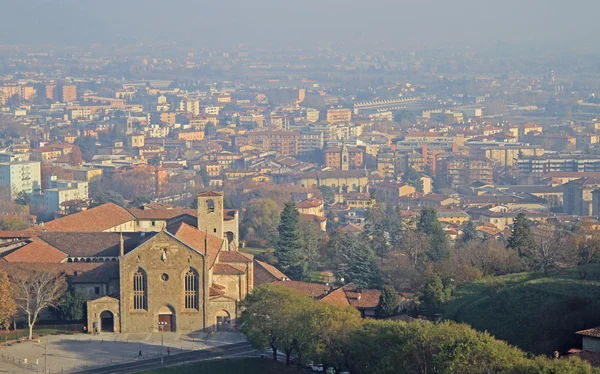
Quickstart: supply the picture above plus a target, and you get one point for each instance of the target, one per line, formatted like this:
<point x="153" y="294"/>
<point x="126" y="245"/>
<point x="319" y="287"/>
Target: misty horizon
<point x="268" y="23"/>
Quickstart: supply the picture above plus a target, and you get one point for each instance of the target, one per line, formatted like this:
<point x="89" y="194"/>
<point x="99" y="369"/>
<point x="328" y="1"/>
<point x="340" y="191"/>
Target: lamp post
<point x="161" y="326"/>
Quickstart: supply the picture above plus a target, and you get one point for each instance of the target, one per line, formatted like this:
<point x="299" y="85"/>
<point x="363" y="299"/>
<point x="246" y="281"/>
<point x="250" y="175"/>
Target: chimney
<point x="358" y="297"/>
<point x="122" y="245"/>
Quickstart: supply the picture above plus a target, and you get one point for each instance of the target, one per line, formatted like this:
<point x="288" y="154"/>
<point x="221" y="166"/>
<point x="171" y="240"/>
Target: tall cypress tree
<point x="388" y="302"/>
<point x="429" y="225"/>
<point x="289" y="243"/>
<point x="469" y="232"/>
<point x="521" y="238"/>
<point x="356" y="262"/>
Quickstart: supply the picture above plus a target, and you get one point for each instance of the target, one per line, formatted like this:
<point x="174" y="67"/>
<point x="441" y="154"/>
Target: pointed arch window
<point x="191" y="289"/>
<point x="140" y="290"/>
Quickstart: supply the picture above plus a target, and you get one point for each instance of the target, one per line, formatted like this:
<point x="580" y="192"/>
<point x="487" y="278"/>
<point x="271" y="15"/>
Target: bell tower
<point x="210" y="213"/>
<point x="345" y="156"/>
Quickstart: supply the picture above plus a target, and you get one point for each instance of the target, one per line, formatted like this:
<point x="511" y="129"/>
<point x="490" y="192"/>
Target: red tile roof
<point x="337" y="298"/>
<point x="234" y="256"/>
<point x="593" y="332"/>
<point x="36" y="251"/>
<point x="210" y="194"/>
<point x="197" y="240"/>
<point x="266" y="273"/>
<point x="100" y="218"/>
<point x="309" y="203"/>
<point x="227" y="269"/>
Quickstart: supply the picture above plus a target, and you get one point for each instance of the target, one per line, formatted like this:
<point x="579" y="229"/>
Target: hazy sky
<point x="301" y="23"/>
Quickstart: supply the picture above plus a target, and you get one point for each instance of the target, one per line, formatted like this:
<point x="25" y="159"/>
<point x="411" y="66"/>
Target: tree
<point x="210" y="130"/>
<point x="310" y="234"/>
<point x="393" y="225"/>
<point x="139" y="201"/>
<point x="334" y="329"/>
<point x="74" y="305"/>
<point x="328" y="194"/>
<point x="22" y="198"/>
<point x="260" y="220"/>
<point x="88" y="147"/>
<point x="429" y="225"/>
<point x="521" y="237"/>
<point x="276" y="317"/>
<point x="289" y="243"/>
<point x="8" y="307"/>
<point x="388" y="302"/>
<point x="108" y="196"/>
<point x="356" y="261"/>
<point x="34" y="291"/>
<point x="375" y="231"/>
<point x="469" y="232"/>
<point x="548" y="249"/>
<point x="585" y="243"/>
<point x="75" y="157"/>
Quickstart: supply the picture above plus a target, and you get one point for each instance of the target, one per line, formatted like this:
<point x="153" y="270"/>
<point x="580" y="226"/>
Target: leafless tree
<point x="34" y="291"/>
<point x="550" y="248"/>
<point x="585" y="243"/>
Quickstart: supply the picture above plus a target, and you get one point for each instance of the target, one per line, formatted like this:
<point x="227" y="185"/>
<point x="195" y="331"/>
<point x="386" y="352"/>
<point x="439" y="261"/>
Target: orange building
<point x="339" y="115"/>
<point x="68" y="93"/>
<point x="51" y="92"/>
<point x="333" y="157"/>
<point x="190" y="135"/>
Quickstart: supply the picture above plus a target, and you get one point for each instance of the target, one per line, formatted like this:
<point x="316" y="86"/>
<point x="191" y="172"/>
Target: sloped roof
<point x="87" y="272"/>
<point x="266" y="273"/>
<point x="227" y="269"/>
<point x="161" y="214"/>
<point x="36" y="251"/>
<point x="95" y="244"/>
<point x="97" y="219"/>
<point x="314" y="290"/>
<point x="364" y="299"/>
<point x="210" y="194"/>
<point x="197" y="239"/>
<point x="336" y="298"/>
<point x="234" y="256"/>
<point x="309" y="203"/>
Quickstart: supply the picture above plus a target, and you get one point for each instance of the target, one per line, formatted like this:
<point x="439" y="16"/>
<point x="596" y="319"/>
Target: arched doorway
<point x="107" y="321"/>
<point x="231" y="240"/>
<point x="166" y="318"/>
<point x="223" y="320"/>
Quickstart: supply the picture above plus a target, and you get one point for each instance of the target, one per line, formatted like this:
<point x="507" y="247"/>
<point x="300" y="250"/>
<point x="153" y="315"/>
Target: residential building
<point x="338" y="115"/>
<point x="462" y="170"/>
<point x="578" y="196"/>
<point x="20" y="177"/>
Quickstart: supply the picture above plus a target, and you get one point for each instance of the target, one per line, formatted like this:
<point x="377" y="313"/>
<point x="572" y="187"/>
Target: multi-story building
<point x="190" y="106"/>
<point x="61" y="191"/>
<point x="461" y="170"/>
<point x="338" y="115"/>
<point x="578" y="196"/>
<point x="283" y="142"/>
<point x="68" y="92"/>
<point x="334" y="157"/>
<point x="504" y="154"/>
<point x="20" y="176"/>
<point x="538" y="166"/>
<point x="390" y="192"/>
<point x="309" y="141"/>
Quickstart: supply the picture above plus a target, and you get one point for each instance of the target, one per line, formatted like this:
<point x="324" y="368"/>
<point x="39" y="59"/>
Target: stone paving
<point x="76" y="352"/>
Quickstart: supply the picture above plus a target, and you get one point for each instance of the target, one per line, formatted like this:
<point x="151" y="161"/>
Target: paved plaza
<point x="68" y="353"/>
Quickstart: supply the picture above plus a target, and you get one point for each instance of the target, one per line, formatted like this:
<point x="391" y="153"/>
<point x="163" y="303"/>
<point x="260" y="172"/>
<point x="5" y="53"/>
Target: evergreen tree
<point x="356" y="262"/>
<point x="521" y="238"/>
<point x="289" y="244"/>
<point x="375" y="232"/>
<point x="393" y="223"/>
<point x="429" y="225"/>
<point x="469" y="232"/>
<point x="388" y="302"/>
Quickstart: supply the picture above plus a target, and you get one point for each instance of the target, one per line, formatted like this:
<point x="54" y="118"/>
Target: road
<point x="154" y="363"/>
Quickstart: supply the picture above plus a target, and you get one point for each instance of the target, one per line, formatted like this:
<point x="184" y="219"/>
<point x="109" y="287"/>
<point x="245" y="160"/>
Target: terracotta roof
<point x="97" y="219"/>
<point x="309" y="203"/>
<point x="364" y="299"/>
<point x="227" y="269"/>
<point x="352" y="227"/>
<point x="314" y="290"/>
<point x="312" y="217"/>
<point x="197" y="240"/>
<point x="161" y="214"/>
<point x="593" y="332"/>
<point x="336" y="298"/>
<point x="234" y="256"/>
<point x="266" y="273"/>
<point x="36" y="251"/>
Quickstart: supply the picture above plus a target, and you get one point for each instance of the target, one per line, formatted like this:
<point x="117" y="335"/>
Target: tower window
<point x="191" y="289"/>
<point x="210" y="205"/>
<point x="140" y="297"/>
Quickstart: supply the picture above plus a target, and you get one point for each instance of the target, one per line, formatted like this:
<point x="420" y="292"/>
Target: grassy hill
<point x="536" y="313"/>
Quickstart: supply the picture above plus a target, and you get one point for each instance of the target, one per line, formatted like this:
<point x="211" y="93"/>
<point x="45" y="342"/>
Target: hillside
<point x="536" y="313"/>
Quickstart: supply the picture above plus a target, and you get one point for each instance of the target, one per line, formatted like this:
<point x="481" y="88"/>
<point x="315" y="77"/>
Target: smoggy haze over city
<point x="384" y="23"/>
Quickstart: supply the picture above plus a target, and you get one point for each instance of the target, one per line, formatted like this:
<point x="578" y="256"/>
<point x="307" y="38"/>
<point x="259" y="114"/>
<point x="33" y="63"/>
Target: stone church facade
<point x="181" y="279"/>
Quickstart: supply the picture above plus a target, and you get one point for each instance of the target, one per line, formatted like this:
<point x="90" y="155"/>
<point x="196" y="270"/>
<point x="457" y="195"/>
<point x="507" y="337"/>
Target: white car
<point x="317" y="368"/>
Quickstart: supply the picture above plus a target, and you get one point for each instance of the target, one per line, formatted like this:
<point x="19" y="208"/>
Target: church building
<point x="145" y="267"/>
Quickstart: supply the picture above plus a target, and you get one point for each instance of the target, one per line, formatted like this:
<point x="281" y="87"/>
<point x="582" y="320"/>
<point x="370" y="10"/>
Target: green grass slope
<point x="536" y="313"/>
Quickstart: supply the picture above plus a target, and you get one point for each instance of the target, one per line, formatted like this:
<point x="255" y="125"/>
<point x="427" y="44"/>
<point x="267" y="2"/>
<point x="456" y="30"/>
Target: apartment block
<point x="20" y="176"/>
